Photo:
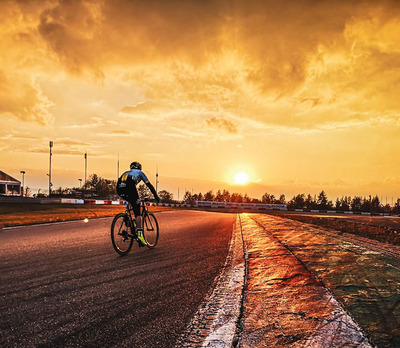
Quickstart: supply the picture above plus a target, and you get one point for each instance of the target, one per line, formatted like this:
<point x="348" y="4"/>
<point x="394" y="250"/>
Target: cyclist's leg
<point x="132" y="207"/>
<point x="134" y="198"/>
<point x="136" y="209"/>
<point x="138" y="217"/>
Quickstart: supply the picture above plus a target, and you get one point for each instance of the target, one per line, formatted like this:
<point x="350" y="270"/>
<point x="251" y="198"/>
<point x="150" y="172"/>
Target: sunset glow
<point x="306" y="93"/>
<point x="241" y="178"/>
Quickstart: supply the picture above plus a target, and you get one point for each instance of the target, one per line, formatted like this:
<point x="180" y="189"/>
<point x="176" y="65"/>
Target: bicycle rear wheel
<point x="121" y="236"/>
<point x="150" y="230"/>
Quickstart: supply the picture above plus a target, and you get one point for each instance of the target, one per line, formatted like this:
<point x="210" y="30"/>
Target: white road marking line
<point x="53" y="223"/>
<point x="217" y="316"/>
<point x="78" y="220"/>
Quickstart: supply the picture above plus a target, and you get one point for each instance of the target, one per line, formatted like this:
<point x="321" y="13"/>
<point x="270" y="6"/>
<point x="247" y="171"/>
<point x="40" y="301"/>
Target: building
<point x="9" y="186"/>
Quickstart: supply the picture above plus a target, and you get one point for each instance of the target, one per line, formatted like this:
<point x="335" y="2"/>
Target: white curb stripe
<point x="214" y="324"/>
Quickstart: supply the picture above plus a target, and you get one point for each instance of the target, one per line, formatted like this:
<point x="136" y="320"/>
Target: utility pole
<point x="23" y="181"/>
<point x="157" y="179"/>
<point x="85" y="168"/>
<point x="50" y="183"/>
<point x="118" y="167"/>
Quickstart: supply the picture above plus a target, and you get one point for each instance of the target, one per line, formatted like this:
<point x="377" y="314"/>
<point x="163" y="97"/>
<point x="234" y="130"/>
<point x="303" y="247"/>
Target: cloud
<point x="223" y="125"/>
<point x="292" y="77"/>
<point x="122" y="133"/>
<point x="147" y="109"/>
<point x="70" y="142"/>
<point x="287" y="64"/>
<point x="24" y="100"/>
<point x="71" y="29"/>
<point x="58" y="152"/>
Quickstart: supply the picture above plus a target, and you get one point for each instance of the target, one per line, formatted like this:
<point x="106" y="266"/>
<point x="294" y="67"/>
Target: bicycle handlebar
<point x="145" y="200"/>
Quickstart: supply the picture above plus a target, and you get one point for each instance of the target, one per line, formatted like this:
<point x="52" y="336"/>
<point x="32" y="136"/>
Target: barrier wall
<point x="209" y="204"/>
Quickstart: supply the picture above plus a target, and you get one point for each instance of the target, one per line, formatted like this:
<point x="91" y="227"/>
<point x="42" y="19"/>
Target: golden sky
<point x="301" y="95"/>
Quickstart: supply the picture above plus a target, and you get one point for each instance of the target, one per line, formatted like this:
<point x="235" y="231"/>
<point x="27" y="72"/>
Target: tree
<point x="236" y="198"/>
<point x="92" y="182"/>
<point x="346" y="202"/>
<point x="267" y="198"/>
<point x="100" y="186"/>
<point x="375" y="205"/>
<point x="189" y="198"/>
<point x="356" y="203"/>
<point x="209" y="196"/>
<point x="322" y="200"/>
<point x="366" y="204"/>
<point x="226" y="196"/>
<point x="387" y="209"/>
<point x="246" y="198"/>
<point x="219" y="197"/>
<point x="297" y="202"/>
<point x="282" y="199"/>
<point x="166" y="196"/>
<point x="310" y="202"/>
<point x="396" y="208"/>
<point x="343" y="204"/>
<point x="144" y="192"/>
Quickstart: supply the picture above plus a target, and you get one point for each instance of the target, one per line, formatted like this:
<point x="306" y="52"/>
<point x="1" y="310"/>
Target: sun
<point x="241" y="178"/>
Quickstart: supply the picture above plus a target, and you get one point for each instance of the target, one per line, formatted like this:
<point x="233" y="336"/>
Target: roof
<point x="9" y="178"/>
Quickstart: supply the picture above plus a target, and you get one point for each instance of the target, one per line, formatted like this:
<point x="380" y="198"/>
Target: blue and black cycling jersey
<point x="134" y="176"/>
<point x="126" y="187"/>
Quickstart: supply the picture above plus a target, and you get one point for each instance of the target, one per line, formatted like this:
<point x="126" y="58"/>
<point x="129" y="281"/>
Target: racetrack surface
<point x="64" y="285"/>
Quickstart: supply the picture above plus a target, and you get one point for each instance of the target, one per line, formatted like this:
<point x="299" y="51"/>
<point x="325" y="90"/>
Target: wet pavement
<point x="310" y="288"/>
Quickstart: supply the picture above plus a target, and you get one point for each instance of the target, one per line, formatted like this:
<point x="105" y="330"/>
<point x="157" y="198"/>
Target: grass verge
<point x="13" y="214"/>
<point x="379" y="233"/>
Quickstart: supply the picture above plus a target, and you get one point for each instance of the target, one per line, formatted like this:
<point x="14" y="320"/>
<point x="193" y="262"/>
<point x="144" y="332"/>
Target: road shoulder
<point x="284" y="304"/>
<point x="215" y="322"/>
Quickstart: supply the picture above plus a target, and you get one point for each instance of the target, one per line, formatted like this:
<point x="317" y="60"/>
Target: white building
<point x="9" y="186"/>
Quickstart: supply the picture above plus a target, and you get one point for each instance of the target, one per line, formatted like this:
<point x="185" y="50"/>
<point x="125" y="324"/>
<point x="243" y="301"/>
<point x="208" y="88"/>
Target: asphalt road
<point x="64" y="285"/>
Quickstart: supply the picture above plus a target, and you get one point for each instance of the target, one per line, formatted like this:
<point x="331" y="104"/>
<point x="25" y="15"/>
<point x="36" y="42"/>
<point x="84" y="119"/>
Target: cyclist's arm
<point x="150" y="186"/>
<point x="152" y="189"/>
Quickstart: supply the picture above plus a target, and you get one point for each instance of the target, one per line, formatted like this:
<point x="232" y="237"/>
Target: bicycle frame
<point x="128" y="212"/>
<point x="143" y="212"/>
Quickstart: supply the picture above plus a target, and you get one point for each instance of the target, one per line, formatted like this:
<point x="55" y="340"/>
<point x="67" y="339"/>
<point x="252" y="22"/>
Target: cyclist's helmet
<point x="136" y="165"/>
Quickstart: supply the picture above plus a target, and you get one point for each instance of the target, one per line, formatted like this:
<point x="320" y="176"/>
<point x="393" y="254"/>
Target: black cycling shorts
<point x="132" y="197"/>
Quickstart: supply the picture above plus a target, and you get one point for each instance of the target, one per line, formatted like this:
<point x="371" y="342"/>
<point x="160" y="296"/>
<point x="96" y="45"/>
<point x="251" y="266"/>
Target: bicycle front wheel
<point x="150" y="230"/>
<point x="121" y="236"/>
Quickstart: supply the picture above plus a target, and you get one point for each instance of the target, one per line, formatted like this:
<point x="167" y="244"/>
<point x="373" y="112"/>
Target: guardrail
<point x="89" y="201"/>
<point x="199" y="204"/>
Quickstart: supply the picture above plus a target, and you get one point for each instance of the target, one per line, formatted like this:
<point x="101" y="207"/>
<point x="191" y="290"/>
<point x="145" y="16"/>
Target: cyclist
<point x="126" y="189"/>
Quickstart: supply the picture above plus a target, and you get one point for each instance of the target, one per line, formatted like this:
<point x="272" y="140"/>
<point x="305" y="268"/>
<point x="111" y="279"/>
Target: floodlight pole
<point x="50" y="184"/>
<point x="23" y="181"/>
<point x="157" y="180"/>
<point x="85" y="168"/>
<point x="118" y="167"/>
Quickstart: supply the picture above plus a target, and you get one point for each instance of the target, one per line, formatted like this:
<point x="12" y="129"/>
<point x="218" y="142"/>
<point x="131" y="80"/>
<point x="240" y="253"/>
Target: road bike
<point x="123" y="228"/>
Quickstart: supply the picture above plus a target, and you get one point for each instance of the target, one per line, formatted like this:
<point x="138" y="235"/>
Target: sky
<point x="302" y="96"/>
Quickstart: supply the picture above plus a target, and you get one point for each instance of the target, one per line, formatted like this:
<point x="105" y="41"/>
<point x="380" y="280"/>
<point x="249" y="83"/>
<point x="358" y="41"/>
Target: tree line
<point x="301" y="201"/>
<point x="97" y="186"/>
